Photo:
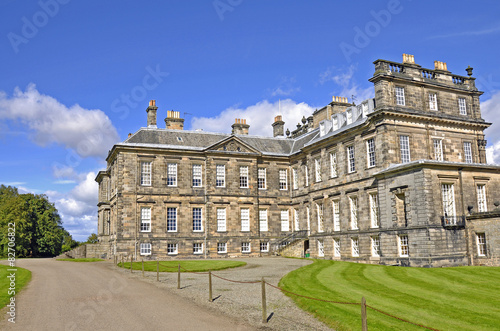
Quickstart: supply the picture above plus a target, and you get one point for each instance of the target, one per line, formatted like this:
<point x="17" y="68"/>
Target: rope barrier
<point x="303" y="296"/>
<point x="401" y="319"/>
<point x="237" y="281"/>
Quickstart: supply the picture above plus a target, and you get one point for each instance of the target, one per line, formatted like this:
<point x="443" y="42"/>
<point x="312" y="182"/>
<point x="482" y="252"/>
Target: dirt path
<point x="93" y="296"/>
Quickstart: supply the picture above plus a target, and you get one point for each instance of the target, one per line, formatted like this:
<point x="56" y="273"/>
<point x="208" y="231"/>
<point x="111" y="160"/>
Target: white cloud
<point x="86" y="132"/>
<point x="344" y="80"/>
<point x="490" y="110"/>
<point x="259" y="116"/>
<point x="468" y="33"/>
<point x="77" y="208"/>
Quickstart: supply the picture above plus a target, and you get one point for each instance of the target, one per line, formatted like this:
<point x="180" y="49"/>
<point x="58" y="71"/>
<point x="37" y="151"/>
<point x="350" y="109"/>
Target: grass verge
<point x="460" y="298"/>
<point x="23" y="276"/>
<point x="189" y="265"/>
<point x="81" y="260"/>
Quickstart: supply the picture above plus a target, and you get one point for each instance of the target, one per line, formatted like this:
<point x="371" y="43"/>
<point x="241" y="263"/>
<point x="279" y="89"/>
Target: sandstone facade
<point x="398" y="179"/>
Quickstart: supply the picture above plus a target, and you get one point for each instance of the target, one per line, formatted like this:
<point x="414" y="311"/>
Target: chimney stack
<point x="438" y="65"/>
<point x="278" y="126"/>
<point x="174" y="120"/>
<point x="240" y="126"/>
<point x="151" y="110"/>
<point x="408" y="59"/>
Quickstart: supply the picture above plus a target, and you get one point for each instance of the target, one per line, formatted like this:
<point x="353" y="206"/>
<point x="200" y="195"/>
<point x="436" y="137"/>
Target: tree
<point x="38" y="229"/>
<point x="92" y="239"/>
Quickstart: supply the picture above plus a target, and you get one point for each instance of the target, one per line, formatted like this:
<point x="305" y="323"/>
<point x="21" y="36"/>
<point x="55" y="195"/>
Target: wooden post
<point x="157" y="270"/>
<point x="131" y="263"/>
<point x="210" y="286"/>
<point x="264" y="308"/>
<point x="179" y="277"/>
<point x="364" y="325"/>
<point x="142" y="267"/>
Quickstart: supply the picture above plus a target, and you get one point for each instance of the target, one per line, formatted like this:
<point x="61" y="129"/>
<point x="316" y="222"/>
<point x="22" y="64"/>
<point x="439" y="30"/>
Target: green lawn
<point x="81" y="260"/>
<point x="22" y="277"/>
<point x="460" y="298"/>
<point x="190" y="265"/>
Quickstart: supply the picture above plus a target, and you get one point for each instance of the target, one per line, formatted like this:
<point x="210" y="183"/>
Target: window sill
<point x="221" y="252"/>
<point x="197" y="253"/>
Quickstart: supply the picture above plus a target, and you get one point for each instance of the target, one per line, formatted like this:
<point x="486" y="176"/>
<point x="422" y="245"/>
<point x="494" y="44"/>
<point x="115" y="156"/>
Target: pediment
<point x="232" y="144"/>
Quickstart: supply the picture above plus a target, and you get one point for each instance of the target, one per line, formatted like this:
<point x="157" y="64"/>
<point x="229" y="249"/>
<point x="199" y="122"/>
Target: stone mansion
<point x="400" y="179"/>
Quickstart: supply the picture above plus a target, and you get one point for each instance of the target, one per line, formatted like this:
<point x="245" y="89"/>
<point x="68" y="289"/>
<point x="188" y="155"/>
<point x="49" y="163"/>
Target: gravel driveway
<point x="242" y="301"/>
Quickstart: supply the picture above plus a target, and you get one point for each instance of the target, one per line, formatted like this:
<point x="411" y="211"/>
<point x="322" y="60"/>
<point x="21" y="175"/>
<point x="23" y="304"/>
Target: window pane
<point x="172" y="174"/>
<point x="172" y="219"/>
<point x="404" y="143"/>
<point x="261" y="180"/>
<point x="244" y="177"/>
<point x="197" y="175"/>
<point x="146" y="173"/>
<point x="220" y="180"/>
<point x="221" y="219"/>
<point x="197" y="223"/>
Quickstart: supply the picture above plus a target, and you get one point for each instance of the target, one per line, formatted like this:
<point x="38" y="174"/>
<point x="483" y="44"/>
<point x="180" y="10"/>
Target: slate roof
<point x="200" y="140"/>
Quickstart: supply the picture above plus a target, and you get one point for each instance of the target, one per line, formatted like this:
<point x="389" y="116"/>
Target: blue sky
<point x="76" y="76"/>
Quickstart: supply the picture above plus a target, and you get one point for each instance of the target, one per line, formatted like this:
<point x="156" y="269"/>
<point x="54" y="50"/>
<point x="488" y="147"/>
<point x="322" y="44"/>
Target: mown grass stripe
<point x="446" y="299"/>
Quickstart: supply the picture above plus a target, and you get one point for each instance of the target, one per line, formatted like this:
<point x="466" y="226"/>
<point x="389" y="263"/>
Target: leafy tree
<point x="68" y="242"/>
<point x="92" y="239"/>
<point x="38" y="229"/>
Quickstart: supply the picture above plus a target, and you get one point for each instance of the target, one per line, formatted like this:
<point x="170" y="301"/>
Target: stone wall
<point x="488" y="224"/>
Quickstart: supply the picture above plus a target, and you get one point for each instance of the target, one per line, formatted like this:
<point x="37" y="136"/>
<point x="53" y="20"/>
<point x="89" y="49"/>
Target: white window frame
<point x="263" y="226"/>
<point x="400" y="95"/>
<point x="370" y="152"/>
<point x="262" y="178"/>
<point x="403" y="245"/>
<point x="197" y="248"/>
<point x="220" y="175"/>
<point x="336" y="247"/>
<point x="171" y="222"/>
<point x="283" y="179"/>
<point x="308" y="219"/>
<point x="146" y="219"/>
<point x="351" y="162"/>
<point x="295" y="175"/>
<point x="264" y="246"/>
<point x="296" y="219"/>
<point x="172" y="249"/>
<point x="433" y="104"/>
<point x="245" y="247"/>
<point x="197" y="217"/>
<point x="221" y="247"/>
<point x="482" y="205"/>
<point x="321" y="248"/>
<point x="375" y="240"/>
<point x="306" y="176"/>
<point x="243" y="176"/>
<point x="448" y="199"/>
<point x="374" y="212"/>
<point x="245" y="219"/>
<point x="481" y="244"/>
<point x="285" y="220"/>
<point x="172" y="174"/>
<point x="353" y="206"/>
<point x="317" y="166"/>
<point x="333" y="165"/>
<point x="438" y="149"/>
<point x="462" y="106"/>
<point x="336" y="215"/>
<point x="221" y="219"/>
<point x="319" y="213"/>
<point x="355" y="247"/>
<point x="145" y="248"/>
<point x="467" y="152"/>
<point x="146" y="171"/>
<point x="197" y="175"/>
<point x="404" y="148"/>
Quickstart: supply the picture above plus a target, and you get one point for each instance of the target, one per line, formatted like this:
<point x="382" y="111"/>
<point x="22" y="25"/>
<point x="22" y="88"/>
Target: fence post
<point x="364" y="325"/>
<point x="142" y="267"/>
<point x="264" y="308"/>
<point x="210" y="286"/>
<point x="179" y="277"/>
<point x="131" y="263"/>
<point x="122" y="261"/>
<point x="157" y="270"/>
